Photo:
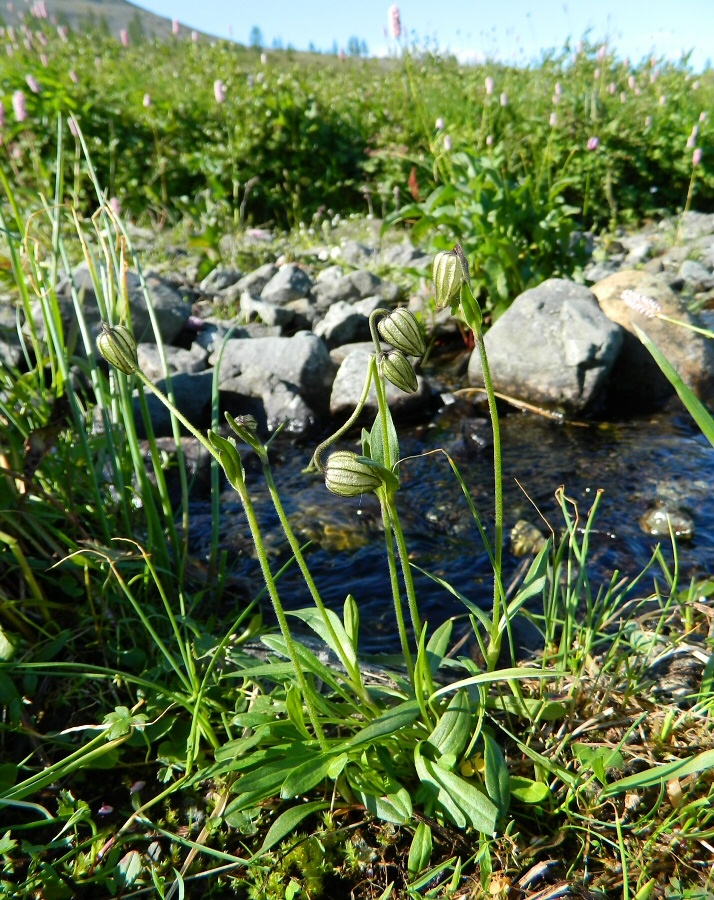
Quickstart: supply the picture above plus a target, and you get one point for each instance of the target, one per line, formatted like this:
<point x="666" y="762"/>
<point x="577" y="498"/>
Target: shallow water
<point x="638" y="463"/>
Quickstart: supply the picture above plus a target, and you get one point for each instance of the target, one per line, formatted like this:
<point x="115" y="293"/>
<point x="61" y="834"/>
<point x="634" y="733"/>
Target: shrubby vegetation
<point x="144" y="749"/>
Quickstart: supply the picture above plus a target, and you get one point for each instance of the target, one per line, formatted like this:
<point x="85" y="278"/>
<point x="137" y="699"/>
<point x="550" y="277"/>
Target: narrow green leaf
<point x="438" y="645"/>
<point x="351" y="621"/>
<point x="340" y="645"/>
<point x="420" y="850"/>
<point x="396" y="808"/>
<point x="696" y="408"/>
<point x="453" y="729"/>
<point x="302" y="778"/>
<point x="528" y="791"/>
<point x="496" y="774"/>
<point x="287" y="822"/>
<point x="395" y="719"/>
<point x="658" y="774"/>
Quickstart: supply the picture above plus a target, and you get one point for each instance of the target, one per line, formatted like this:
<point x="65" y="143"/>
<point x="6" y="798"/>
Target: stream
<point x="639" y="463"/>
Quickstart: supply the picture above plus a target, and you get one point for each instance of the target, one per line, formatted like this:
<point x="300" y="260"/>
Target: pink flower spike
<point x="175" y="27"/>
<point x="489" y="140"/>
<point x="219" y="91"/>
<point x="593" y="143"/>
<point x="553" y="120"/>
<point x="33" y="84"/>
<point x="558" y="88"/>
<point x="632" y="82"/>
<point x="115" y="205"/>
<point x="395" y="22"/>
<point x="73" y="76"/>
<point x="194" y="37"/>
<point x="697" y="156"/>
<point x="623" y="97"/>
<point x="702" y="116"/>
<point x="73" y="127"/>
<point x="439" y="124"/>
<point x="18" y="106"/>
<point x="124" y="37"/>
<point x="489" y="85"/>
<point x="648" y="122"/>
<point x="504" y="99"/>
<point x="447" y="143"/>
<point x="147" y="100"/>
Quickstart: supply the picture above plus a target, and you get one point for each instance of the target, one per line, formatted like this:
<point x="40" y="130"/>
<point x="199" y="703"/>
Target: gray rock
<point x="339" y="354"/>
<point x="342" y="324"/>
<point x="329" y="274"/>
<point x="219" y="280"/>
<point x="255" y="281"/>
<point x="696" y="275"/>
<point x="406" y="255"/>
<point x="353" y="286"/>
<point x="596" y="271"/>
<point x="553" y="347"/>
<point x="636" y="378"/>
<point x="170" y="308"/>
<point x="192" y="394"/>
<point x="214" y="332"/>
<point x="349" y="384"/>
<point x="177" y="360"/>
<point x="301" y="361"/>
<point x="640" y="252"/>
<point x="304" y="312"/>
<point x="289" y="283"/>
<point x="259" y="310"/>
<point x="356" y="254"/>
<point x="694" y="225"/>
<point x="10" y="349"/>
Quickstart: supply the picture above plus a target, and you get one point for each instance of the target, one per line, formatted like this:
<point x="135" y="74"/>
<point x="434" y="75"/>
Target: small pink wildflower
<point x="602" y="52"/>
<point x="147" y="100"/>
<point x="504" y="99"/>
<point x="695" y="85"/>
<point x="124" y="37"/>
<point x="623" y="97"/>
<point x="662" y="100"/>
<point x="558" y="88"/>
<point x="640" y="303"/>
<point x="395" y="22"/>
<point x="73" y="127"/>
<point x="596" y="74"/>
<point x="593" y="143"/>
<point x="489" y="85"/>
<point x="115" y="205"/>
<point x="697" y="156"/>
<point x="489" y="140"/>
<point x="33" y="84"/>
<point x="611" y="88"/>
<point x="73" y="76"/>
<point x="264" y="59"/>
<point x="219" y="91"/>
<point x="553" y="120"/>
<point x="18" y="106"/>
<point x="648" y="122"/>
<point x="556" y="99"/>
<point x="448" y="144"/>
<point x="632" y="82"/>
<point x="703" y="116"/>
<point x="63" y="33"/>
<point x="194" y="36"/>
<point x="439" y="124"/>
<point x="175" y="27"/>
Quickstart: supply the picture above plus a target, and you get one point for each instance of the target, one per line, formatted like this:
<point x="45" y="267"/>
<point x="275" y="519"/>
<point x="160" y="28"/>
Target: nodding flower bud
<point x="396" y="368"/>
<point x="347" y="476"/>
<point x="448" y="274"/>
<point x="117" y="345"/>
<point x="401" y="330"/>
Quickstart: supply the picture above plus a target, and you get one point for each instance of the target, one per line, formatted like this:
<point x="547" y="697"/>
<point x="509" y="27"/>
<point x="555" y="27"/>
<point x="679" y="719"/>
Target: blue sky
<point x="508" y="30"/>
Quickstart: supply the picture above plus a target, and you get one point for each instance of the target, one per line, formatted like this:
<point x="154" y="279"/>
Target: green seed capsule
<point x="401" y="330"/>
<point x="396" y="368"/>
<point x="448" y="274"/>
<point x="346" y="476"/>
<point x="117" y="345"/>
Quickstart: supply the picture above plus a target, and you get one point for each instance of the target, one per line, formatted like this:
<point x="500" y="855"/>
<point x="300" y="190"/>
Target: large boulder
<point x="301" y="361"/>
<point x="553" y="347"/>
<point x="636" y="378"/>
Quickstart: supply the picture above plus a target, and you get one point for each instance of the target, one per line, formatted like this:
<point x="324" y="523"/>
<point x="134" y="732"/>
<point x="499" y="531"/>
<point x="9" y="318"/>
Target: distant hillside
<point x="84" y="15"/>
